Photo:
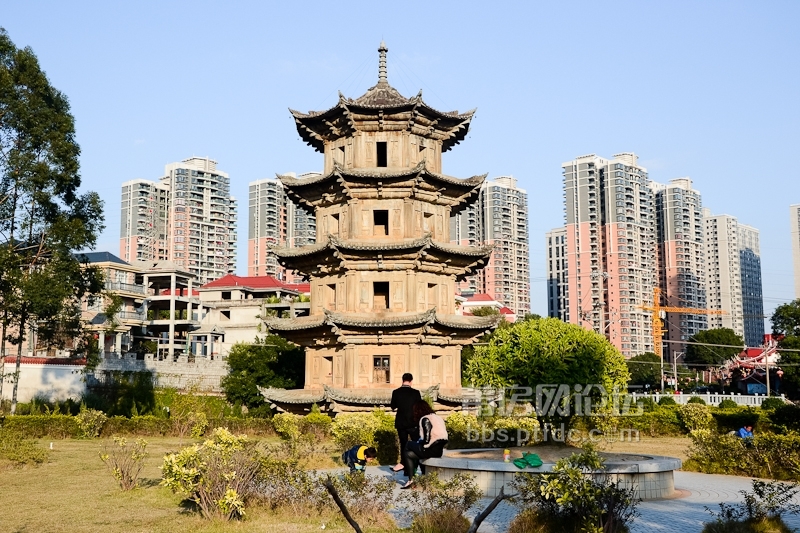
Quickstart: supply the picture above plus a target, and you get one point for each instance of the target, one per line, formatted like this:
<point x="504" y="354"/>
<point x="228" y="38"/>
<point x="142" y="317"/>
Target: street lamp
<point x="675" y="356"/>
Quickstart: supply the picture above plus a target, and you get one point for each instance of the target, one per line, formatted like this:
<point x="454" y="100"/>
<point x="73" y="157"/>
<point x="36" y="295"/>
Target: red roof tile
<point x="480" y="297"/>
<point x="255" y="282"/>
<point x="25" y="360"/>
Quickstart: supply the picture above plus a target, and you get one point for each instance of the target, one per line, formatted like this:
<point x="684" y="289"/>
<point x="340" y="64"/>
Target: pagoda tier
<point x="427" y="327"/>
<point x="382" y="108"/>
<point x="336" y="256"/>
<point x="417" y="182"/>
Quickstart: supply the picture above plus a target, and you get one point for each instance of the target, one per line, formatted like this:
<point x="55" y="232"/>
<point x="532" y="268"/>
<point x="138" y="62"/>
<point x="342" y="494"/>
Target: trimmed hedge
<point x="146" y="426"/>
<point x="733" y="419"/>
<point x="765" y="455"/>
<point x="38" y="426"/>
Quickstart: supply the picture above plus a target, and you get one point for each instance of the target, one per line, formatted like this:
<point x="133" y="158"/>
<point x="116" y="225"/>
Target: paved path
<point x="684" y="514"/>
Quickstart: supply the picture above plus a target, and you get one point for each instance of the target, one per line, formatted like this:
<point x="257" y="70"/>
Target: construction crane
<point x="658" y="324"/>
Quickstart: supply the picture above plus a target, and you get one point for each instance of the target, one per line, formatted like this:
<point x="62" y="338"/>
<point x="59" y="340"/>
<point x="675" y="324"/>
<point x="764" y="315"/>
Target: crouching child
<point x="357" y="457"/>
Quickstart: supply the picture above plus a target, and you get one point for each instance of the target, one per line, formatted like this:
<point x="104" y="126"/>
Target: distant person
<point x="403" y="400"/>
<point x="357" y="457"/>
<point x="746" y="432"/>
<point x="431" y="442"/>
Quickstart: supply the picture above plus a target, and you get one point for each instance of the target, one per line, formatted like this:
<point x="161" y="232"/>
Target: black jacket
<point x="403" y="399"/>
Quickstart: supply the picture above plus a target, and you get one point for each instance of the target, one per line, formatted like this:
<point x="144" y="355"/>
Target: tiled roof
<point x="253" y="282"/>
<point x="99" y="257"/>
<point x="480" y="297"/>
<point x="26" y="360"/>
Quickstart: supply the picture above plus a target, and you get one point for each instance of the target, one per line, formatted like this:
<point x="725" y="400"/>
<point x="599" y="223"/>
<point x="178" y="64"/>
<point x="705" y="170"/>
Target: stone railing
<point x="712" y="398"/>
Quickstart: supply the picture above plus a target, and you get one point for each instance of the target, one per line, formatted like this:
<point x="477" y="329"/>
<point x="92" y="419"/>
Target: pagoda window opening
<point x="333" y="227"/>
<point x="380" y="223"/>
<point x="330" y="296"/>
<point x="380" y="372"/>
<point x="380" y="295"/>
<point x="382" y="154"/>
<point x="339" y="155"/>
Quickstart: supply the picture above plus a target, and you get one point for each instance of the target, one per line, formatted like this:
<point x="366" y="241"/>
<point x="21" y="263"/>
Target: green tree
<point x="547" y="351"/>
<point x="698" y="356"/>
<point x="269" y="362"/>
<point x="786" y="327"/>
<point x="645" y="369"/>
<point x="44" y="221"/>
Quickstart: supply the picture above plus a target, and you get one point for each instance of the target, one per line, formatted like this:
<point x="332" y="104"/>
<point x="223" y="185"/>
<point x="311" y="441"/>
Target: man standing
<point x="403" y="400"/>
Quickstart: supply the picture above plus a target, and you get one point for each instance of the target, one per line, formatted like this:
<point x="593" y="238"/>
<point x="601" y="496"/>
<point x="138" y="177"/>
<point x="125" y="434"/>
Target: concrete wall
<point x="51" y="382"/>
<point x="205" y="373"/>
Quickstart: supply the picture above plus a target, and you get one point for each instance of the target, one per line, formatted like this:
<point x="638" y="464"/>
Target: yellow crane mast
<point x="658" y="324"/>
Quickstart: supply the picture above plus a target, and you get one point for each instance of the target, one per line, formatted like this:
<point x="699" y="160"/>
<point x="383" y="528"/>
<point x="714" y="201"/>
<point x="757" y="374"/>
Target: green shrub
<point x="386" y="441"/>
<point x="522" y="428"/>
<point x="220" y="475"/>
<point x="661" y="421"/>
<point x="766" y="455"/>
<point x="125" y="461"/>
<point x="697" y="399"/>
<point x="727" y="403"/>
<point x="458" y="427"/>
<point x="19" y="450"/>
<point x="733" y="419"/>
<point x="786" y="417"/>
<point x="38" y="426"/>
<point x="287" y="425"/>
<point x="695" y="416"/>
<point x="667" y="400"/>
<point x="90" y="422"/>
<point x="647" y="404"/>
<point x="570" y="501"/>
<point x="316" y="424"/>
<point x="349" y="429"/>
<point x="145" y="426"/>
<point x="772" y="403"/>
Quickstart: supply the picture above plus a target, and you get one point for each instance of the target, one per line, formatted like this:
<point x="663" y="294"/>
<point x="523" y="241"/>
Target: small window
<point x="226" y="295"/>
<point x="380" y="222"/>
<point x="380" y="372"/>
<point x="380" y="295"/>
<point x="226" y="314"/>
<point x="330" y="296"/>
<point x="382" y="159"/>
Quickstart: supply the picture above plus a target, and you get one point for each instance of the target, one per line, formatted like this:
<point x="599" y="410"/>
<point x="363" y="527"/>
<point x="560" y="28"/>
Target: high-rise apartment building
<point x="733" y="277"/>
<point x="794" y="225"/>
<point x="752" y="294"/>
<point x="275" y="220"/>
<point x="557" y="273"/>
<point x="499" y="218"/>
<point x="610" y="250"/>
<point x="681" y="258"/>
<point x="188" y="218"/>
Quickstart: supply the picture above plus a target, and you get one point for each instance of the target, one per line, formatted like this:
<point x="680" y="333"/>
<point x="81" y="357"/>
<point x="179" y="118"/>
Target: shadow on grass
<point x="147" y="483"/>
<point x="189" y="507"/>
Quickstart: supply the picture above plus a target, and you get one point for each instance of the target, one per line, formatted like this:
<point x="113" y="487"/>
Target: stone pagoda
<point x="382" y="272"/>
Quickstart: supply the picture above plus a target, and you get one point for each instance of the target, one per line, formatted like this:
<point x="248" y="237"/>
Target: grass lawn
<point x="668" y="446"/>
<point x="74" y="492"/>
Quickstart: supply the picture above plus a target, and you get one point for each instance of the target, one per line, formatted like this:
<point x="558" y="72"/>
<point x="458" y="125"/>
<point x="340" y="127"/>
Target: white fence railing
<point x="712" y="398"/>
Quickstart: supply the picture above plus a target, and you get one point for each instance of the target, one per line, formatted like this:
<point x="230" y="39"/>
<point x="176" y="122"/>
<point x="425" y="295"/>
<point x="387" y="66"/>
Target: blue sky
<point x="705" y="89"/>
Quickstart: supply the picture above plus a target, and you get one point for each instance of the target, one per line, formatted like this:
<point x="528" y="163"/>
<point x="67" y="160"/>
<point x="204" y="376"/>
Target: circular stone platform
<point x="650" y="476"/>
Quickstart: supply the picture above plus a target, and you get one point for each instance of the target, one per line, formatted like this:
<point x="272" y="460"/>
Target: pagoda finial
<point x="382" y="62"/>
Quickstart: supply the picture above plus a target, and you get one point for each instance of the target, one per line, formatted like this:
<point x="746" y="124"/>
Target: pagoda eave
<point x="417" y="182"/>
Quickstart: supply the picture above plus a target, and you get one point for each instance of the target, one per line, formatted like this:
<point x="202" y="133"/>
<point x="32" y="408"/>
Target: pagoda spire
<point x="382" y="63"/>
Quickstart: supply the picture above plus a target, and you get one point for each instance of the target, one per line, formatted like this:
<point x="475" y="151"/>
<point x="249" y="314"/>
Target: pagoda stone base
<point x="381" y="366"/>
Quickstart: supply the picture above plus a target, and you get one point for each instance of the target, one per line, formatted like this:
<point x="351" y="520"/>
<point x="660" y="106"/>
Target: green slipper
<point x="531" y="459"/>
<point x="520" y="463"/>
